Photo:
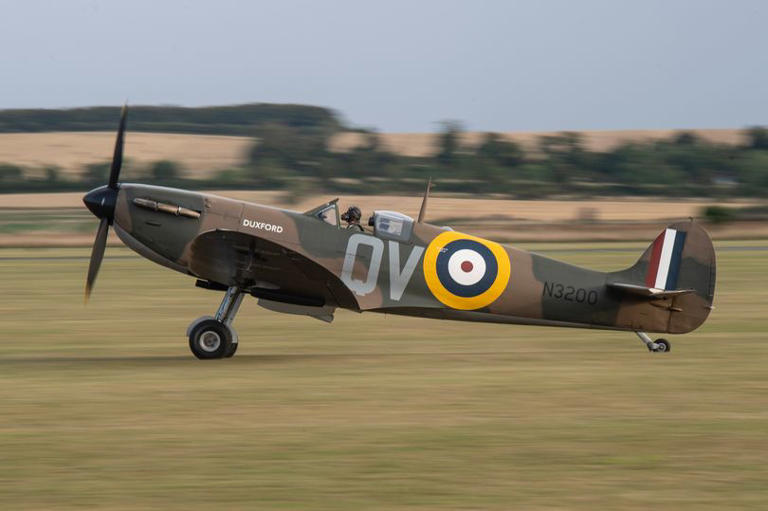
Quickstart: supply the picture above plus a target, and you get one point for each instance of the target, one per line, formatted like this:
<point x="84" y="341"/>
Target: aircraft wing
<point x="271" y="272"/>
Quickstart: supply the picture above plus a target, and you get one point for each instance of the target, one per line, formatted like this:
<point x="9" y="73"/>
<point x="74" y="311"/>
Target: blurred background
<point x="577" y="130"/>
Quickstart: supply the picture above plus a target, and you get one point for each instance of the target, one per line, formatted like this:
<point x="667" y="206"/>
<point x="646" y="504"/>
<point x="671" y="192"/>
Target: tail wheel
<point x="662" y="346"/>
<point x="210" y="339"/>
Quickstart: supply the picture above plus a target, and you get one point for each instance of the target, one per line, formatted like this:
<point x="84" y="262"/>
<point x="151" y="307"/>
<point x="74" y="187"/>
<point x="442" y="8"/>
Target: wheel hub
<point x="210" y="341"/>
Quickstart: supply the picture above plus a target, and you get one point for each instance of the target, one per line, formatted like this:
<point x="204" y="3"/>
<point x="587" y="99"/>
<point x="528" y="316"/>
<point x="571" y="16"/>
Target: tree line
<point x="242" y="120"/>
<point x="291" y="151"/>
<point x="560" y="164"/>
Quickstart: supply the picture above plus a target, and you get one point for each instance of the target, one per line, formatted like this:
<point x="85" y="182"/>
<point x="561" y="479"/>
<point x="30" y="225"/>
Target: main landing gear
<point x="213" y="337"/>
<point x="660" y="346"/>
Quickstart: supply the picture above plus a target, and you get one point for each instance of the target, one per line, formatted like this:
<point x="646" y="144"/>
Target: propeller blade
<point x="117" y="157"/>
<point x="97" y="254"/>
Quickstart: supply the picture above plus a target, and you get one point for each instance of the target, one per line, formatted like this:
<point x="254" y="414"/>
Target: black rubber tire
<point x="664" y="346"/>
<point x="232" y="350"/>
<point x="212" y="346"/>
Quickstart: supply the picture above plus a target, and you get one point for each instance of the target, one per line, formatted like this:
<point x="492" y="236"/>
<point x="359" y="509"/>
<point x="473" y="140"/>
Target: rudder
<point x="681" y="258"/>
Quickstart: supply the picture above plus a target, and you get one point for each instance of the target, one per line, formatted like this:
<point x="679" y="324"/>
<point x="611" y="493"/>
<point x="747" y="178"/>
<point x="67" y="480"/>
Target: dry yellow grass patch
<point x="200" y="155"/>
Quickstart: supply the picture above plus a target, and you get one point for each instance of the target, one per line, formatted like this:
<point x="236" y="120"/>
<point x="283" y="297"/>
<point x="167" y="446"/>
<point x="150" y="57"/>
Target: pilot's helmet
<point x="352" y="215"/>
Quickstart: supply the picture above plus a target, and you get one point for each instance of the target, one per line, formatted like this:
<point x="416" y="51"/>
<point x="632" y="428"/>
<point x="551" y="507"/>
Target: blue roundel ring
<point x="465" y="272"/>
<point x="479" y="287"/>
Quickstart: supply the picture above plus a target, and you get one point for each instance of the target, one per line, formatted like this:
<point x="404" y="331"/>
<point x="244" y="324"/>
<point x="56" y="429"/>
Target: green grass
<point x="104" y="407"/>
<point x="19" y="221"/>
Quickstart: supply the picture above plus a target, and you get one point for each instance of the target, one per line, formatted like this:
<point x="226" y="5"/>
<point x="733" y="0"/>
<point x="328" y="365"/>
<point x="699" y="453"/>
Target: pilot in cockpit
<point x="352" y="216"/>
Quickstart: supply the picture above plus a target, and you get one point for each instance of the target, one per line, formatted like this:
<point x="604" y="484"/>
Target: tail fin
<point x="677" y="274"/>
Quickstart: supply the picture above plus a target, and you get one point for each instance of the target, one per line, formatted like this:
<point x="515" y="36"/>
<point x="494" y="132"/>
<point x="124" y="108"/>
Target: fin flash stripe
<point x="664" y="266"/>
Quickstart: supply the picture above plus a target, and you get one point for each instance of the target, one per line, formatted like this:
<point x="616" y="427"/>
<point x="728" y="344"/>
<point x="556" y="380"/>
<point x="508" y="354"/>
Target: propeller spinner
<point x="101" y="202"/>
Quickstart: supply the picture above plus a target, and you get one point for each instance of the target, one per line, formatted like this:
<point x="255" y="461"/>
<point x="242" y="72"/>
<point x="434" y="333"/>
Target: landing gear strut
<point x="660" y="346"/>
<point x="213" y="337"/>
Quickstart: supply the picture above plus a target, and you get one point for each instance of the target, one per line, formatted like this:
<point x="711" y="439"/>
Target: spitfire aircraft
<point x="308" y="263"/>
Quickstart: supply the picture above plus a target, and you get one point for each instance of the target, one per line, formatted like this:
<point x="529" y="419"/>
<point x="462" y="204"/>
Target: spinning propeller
<point x="101" y="201"/>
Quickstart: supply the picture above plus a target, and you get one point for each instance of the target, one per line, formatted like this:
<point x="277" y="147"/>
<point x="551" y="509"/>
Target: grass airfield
<point x="104" y="407"/>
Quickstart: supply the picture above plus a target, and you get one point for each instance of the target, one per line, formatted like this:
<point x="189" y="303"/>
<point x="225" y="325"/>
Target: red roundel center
<point x="466" y="266"/>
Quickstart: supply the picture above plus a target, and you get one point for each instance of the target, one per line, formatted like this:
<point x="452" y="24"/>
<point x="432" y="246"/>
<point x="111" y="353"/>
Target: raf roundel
<point x="465" y="272"/>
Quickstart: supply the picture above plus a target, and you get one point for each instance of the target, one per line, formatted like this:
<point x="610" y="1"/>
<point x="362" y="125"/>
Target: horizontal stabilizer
<point x="648" y="292"/>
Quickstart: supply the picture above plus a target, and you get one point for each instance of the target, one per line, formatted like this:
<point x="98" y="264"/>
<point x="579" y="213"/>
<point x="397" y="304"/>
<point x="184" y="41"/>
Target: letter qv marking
<point x="398" y="280"/>
<point x="362" y="287"/>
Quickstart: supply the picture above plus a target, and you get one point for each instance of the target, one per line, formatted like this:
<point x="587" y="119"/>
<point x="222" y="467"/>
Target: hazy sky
<point x="402" y="65"/>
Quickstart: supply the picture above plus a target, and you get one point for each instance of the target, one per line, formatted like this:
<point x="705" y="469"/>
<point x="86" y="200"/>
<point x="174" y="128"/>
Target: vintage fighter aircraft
<point x="308" y="264"/>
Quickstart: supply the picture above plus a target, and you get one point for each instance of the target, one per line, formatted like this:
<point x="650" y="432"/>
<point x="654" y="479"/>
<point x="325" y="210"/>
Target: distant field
<point x="103" y="407"/>
<point x="203" y="155"/>
<point x="60" y="219"/>
<point x="440" y="207"/>
<point x="200" y="155"/>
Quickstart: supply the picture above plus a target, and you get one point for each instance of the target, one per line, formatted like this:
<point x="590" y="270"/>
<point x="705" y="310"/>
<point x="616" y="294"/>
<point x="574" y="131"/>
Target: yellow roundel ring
<point x="465" y="272"/>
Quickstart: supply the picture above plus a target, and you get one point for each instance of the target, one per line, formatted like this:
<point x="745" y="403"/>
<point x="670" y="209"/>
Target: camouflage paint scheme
<point x="286" y="256"/>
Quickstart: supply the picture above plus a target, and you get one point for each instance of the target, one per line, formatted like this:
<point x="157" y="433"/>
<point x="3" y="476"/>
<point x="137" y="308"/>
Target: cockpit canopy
<point x="388" y="225"/>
